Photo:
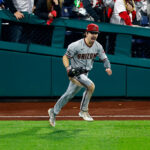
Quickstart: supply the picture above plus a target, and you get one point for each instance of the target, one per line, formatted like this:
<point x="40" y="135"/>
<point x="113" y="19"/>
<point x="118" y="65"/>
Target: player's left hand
<point x="109" y="71"/>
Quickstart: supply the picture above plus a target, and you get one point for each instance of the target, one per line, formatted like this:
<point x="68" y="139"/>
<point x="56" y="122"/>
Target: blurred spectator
<point x="148" y="10"/>
<point x="34" y="6"/>
<point x="35" y="1"/>
<point x="17" y="7"/>
<point x="17" y="30"/>
<point x="74" y="9"/>
<point x="2" y="4"/>
<point x="141" y="13"/>
<point x="95" y="9"/>
<point x="109" y="7"/>
<point x="47" y="10"/>
<point x="123" y="13"/>
<point x="61" y="3"/>
<point x="92" y="10"/>
<point x="101" y="8"/>
<point x="67" y="9"/>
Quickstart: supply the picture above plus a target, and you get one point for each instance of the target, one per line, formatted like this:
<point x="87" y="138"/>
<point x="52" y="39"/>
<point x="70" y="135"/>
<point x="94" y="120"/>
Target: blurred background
<point x="34" y="37"/>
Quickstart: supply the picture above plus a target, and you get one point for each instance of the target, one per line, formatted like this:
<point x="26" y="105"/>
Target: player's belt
<point x="85" y="71"/>
<point x="77" y="71"/>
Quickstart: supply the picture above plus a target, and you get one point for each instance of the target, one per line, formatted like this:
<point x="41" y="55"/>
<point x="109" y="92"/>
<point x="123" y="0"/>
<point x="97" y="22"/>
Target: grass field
<point x="75" y="135"/>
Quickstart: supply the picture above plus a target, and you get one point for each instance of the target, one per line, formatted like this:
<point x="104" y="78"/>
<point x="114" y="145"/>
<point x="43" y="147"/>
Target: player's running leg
<point x="72" y="90"/>
<point x="89" y="85"/>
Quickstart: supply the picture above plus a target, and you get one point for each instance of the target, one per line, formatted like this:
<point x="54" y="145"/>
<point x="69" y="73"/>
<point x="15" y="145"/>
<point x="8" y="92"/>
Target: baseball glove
<point x="76" y="72"/>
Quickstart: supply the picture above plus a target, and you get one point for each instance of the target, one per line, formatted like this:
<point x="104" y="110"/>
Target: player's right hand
<point x="68" y="69"/>
<point x="109" y="71"/>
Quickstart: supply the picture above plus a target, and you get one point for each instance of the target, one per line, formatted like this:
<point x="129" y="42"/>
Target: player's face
<point x="91" y="36"/>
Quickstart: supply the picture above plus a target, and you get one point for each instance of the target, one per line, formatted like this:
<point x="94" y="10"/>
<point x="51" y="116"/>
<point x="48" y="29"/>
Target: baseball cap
<point x="92" y="28"/>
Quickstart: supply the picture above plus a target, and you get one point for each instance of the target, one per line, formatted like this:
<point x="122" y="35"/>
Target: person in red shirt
<point x="123" y="13"/>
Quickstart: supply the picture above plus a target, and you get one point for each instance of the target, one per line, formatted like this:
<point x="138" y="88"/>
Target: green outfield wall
<point x="31" y="70"/>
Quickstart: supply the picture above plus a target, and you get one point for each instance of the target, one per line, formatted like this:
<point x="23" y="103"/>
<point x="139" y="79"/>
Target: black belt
<point x="85" y="71"/>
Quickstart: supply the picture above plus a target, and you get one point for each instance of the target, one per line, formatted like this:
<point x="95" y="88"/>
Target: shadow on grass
<point x="47" y="134"/>
<point x="62" y="134"/>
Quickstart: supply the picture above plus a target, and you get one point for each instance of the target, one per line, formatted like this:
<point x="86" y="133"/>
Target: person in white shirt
<point x="141" y="12"/>
<point x="123" y="12"/>
<point x="18" y="7"/>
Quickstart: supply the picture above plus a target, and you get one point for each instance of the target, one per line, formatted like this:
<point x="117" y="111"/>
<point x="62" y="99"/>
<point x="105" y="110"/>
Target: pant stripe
<point x="83" y="100"/>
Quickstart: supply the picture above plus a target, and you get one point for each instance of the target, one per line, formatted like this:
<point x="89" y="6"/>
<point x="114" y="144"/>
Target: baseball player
<point x="81" y="55"/>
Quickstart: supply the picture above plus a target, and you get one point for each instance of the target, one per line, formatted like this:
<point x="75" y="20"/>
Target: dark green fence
<point x="35" y="70"/>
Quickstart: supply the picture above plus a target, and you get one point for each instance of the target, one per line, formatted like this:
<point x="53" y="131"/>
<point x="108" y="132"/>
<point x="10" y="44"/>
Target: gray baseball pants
<point x="72" y="90"/>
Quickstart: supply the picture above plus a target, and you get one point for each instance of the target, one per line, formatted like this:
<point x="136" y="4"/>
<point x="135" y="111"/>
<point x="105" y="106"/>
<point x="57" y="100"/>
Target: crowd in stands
<point x="123" y="12"/>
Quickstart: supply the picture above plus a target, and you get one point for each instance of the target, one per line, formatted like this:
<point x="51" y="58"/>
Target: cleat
<point x="52" y="117"/>
<point x="85" y="115"/>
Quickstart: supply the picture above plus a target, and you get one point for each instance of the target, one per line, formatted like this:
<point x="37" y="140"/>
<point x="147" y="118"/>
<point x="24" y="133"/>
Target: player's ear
<point x="84" y="34"/>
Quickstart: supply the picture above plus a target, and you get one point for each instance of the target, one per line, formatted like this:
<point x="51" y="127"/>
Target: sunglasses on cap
<point x="93" y="32"/>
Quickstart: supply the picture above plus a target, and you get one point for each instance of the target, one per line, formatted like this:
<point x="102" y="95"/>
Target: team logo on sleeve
<point x="68" y="53"/>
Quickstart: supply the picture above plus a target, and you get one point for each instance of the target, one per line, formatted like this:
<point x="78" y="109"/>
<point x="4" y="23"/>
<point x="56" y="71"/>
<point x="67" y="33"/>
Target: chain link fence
<point x="140" y="47"/>
<point x="42" y="35"/>
<point x="26" y="33"/>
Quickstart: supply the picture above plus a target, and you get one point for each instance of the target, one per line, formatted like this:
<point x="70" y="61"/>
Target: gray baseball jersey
<point x="81" y="55"/>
